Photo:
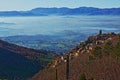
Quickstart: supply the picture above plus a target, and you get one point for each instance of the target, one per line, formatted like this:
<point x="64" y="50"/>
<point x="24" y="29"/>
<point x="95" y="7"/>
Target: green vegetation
<point x="96" y="53"/>
<point x="47" y="59"/>
<point x="116" y="50"/>
<point x="91" y="58"/>
<point x="82" y="77"/>
<point x="108" y="48"/>
<point x="60" y="45"/>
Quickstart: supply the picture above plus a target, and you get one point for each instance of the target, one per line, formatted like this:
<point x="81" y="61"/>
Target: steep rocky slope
<point x="98" y="58"/>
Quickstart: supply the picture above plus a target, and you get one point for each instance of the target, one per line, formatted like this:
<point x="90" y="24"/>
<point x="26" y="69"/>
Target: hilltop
<point x="20" y="63"/>
<point x="97" y="58"/>
<point x="63" y="11"/>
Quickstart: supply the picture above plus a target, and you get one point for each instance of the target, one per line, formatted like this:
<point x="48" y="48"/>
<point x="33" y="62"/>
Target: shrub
<point x="82" y="77"/>
<point x="97" y="52"/>
<point x="108" y="48"/>
<point x="91" y="58"/>
<point x="116" y="50"/>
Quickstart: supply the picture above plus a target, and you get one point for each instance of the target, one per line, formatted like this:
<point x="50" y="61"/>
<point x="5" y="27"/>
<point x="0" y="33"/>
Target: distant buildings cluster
<point x="85" y="47"/>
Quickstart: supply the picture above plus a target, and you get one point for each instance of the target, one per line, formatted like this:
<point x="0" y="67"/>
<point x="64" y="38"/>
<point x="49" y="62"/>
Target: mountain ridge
<point x="63" y="11"/>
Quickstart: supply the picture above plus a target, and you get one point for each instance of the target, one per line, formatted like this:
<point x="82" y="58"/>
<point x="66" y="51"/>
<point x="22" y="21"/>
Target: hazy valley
<point x="60" y="44"/>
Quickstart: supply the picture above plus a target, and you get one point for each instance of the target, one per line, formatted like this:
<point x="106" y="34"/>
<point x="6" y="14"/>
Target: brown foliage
<point x="103" y="68"/>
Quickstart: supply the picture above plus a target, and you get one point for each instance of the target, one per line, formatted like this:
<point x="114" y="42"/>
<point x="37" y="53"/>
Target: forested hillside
<point x="97" y="58"/>
<point x="20" y="63"/>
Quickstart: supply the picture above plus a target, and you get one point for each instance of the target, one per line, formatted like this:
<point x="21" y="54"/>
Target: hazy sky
<point x="30" y="4"/>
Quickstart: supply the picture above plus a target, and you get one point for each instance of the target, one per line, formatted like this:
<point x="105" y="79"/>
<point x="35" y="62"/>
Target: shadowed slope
<point x="19" y="63"/>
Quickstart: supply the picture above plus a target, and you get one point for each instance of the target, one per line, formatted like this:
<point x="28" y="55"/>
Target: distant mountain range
<point x="63" y="11"/>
